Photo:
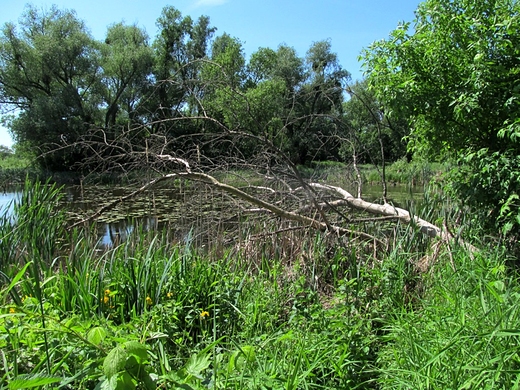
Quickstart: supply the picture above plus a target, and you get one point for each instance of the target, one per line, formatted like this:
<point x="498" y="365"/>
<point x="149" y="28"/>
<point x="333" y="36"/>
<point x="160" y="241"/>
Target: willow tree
<point x="49" y="71"/>
<point x="126" y="61"/>
<point x="179" y="48"/>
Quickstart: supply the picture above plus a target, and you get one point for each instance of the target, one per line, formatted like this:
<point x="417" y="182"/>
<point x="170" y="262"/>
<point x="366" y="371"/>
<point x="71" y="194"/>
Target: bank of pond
<point x="200" y="298"/>
<point x="181" y="206"/>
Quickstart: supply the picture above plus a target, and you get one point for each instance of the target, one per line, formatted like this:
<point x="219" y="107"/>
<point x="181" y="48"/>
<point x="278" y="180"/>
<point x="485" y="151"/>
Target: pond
<point x="181" y="210"/>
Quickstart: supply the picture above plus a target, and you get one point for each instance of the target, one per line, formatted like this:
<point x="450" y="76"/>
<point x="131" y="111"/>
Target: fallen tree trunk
<point x="383" y="212"/>
<point x="386" y="210"/>
<point x="202" y="177"/>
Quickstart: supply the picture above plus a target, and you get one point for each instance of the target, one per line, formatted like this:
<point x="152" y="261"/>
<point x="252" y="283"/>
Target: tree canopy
<point x="68" y="87"/>
<point x="49" y="70"/>
<point x="454" y="74"/>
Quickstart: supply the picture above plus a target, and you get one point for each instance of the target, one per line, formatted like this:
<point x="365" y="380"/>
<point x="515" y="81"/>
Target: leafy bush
<point x="489" y="183"/>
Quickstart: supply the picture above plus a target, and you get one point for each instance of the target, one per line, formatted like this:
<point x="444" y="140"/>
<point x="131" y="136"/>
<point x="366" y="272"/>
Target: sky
<point x="350" y="25"/>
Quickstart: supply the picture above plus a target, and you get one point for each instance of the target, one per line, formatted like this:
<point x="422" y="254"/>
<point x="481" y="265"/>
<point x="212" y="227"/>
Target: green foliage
<point x="126" y="59"/>
<point x="125" y="368"/>
<point x="178" y="49"/>
<point x="292" y="104"/>
<point x="49" y="65"/>
<point x="490" y="182"/>
<point x="148" y="314"/>
<point x="463" y="333"/>
<point x="450" y="73"/>
<point x="145" y="313"/>
<point x="29" y="234"/>
<point x="367" y="124"/>
<point x="30" y="381"/>
<point x="82" y="101"/>
<point x="454" y="75"/>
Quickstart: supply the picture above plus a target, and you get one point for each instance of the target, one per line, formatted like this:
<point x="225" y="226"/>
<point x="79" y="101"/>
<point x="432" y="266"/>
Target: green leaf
<point x="126" y="382"/>
<point x="196" y="364"/>
<point x="245" y="354"/>
<point x="508" y="226"/>
<point x="115" y="361"/>
<point x="147" y="381"/>
<point x="109" y="384"/>
<point x="15" y="280"/>
<point x="96" y="335"/>
<point x="185" y="386"/>
<point x="138" y="350"/>
<point x="28" y="381"/>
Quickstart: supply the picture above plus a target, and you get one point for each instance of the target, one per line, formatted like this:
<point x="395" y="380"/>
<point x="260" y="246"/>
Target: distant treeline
<point x="75" y="94"/>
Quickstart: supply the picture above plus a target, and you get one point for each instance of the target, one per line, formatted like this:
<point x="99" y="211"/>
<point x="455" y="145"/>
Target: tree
<point x="126" y="60"/>
<point x="48" y="70"/>
<point x="291" y="101"/>
<point x="455" y="75"/>
<point x="368" y="124"/>
<point x="310" y="103"/>
<point x="179" y="48"/>
<point x="317" y="105"/>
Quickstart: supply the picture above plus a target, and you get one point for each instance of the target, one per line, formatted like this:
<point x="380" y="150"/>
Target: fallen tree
<point x="278" y="188"/>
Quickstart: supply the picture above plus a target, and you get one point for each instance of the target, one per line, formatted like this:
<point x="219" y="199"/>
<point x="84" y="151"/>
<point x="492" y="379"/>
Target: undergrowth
<point x="151" y="313"/>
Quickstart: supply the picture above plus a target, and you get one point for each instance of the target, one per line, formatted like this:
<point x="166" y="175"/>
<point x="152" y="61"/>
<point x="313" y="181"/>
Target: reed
<point x="291" y="309"/>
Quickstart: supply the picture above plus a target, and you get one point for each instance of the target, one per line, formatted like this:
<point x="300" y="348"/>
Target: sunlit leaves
<point x="49" y="70"/>
<point x="127" y="62"/>
<point x="455" y="75"/>
<point x="96" y="335"/>
<point x="454" y="69"/>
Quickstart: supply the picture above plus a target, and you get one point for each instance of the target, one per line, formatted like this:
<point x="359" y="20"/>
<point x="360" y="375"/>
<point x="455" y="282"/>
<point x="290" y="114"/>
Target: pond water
<point x="7" y="198"/>
<point x="179" y="210"/>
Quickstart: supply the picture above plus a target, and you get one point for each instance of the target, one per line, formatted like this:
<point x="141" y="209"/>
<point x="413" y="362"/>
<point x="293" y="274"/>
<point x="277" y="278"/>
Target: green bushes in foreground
<point x="149" y="314"/>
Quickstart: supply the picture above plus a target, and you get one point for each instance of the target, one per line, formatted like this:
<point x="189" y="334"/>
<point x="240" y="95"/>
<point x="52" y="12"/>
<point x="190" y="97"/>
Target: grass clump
<point x="413" y="173"/>
<point x="464" y="333"/>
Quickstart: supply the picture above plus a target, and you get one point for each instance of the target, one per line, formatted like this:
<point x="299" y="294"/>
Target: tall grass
<point x="464" y="333"/>
<point x="292" y="310"/>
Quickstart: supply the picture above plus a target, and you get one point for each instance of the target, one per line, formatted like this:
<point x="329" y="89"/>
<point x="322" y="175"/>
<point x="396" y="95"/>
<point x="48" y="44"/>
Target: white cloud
<point x="209" y="3"/>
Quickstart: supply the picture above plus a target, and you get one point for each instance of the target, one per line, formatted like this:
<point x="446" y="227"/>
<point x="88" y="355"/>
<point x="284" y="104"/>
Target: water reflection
<point x="7" y="201"/>
<point x="117" y="232"/>
<point x="404" y="196"/>
<point x="176" y="210"/>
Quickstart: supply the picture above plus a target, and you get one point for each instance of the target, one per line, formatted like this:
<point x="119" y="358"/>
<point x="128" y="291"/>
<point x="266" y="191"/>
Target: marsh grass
<point x="274" y="307"/>
<point x="464" y="332"/>
<point x="414" y="173"/>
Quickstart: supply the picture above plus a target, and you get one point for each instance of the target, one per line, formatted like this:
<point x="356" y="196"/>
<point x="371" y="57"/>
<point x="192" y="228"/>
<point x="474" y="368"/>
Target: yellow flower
<point x="106" y="299"/>
<point x="148" y="301"/>
<point x="169" y="295"/>
<point x="107" y="292"/>
<point x="204" y="314"/>
<point x="12" y="310"/>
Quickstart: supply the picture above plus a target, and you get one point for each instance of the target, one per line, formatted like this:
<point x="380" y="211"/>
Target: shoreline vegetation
<point x="295" y="309"/>
<point x="13" y="171"/>
<point x="270" y="265"/>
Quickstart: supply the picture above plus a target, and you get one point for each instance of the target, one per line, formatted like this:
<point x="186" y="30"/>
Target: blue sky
<point x="351" y="25"/>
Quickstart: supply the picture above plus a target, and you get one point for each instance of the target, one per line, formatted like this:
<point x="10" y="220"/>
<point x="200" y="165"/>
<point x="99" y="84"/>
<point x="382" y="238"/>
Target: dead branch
<point x="208" y="179"/>
<point x="386" y="209"/>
